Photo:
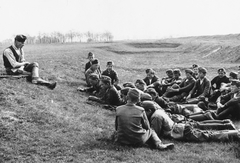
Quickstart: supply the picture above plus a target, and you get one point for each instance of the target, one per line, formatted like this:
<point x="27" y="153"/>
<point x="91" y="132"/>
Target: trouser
<point x="215" y="125"/>
<point x="153" y="140"/>
<point x="178" y="97"/>
<point x="197" y="135"/>
<point x="33" y="68"/>
<point x="232" y="109"/>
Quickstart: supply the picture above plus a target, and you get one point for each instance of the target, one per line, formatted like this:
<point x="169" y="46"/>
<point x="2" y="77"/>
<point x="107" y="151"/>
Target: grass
<point x="60" y="125"/>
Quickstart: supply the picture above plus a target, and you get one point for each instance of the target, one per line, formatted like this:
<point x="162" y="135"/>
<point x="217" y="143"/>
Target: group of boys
<point x="191" y="108"/>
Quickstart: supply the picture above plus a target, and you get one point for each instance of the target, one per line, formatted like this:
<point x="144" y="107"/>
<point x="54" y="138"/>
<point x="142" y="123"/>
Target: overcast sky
<point x="125" y="19"/>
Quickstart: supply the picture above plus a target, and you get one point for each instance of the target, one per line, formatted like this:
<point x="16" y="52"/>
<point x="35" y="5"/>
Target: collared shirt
<point x="11" y="58"/>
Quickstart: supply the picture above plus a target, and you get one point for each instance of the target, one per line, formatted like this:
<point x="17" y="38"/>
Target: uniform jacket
<point x="154" y="79"/>
<point x="201" y="89"/>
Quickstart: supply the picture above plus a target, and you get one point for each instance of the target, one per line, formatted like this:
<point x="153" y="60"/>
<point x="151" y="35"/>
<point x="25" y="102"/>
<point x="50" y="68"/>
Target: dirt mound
<point x="154" y="45"/>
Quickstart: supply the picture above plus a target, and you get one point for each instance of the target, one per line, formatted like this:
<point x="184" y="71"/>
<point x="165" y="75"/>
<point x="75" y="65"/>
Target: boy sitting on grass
<point x="110" y="72"/>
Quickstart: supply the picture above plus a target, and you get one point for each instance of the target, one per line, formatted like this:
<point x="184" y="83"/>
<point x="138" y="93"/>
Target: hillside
<point x="61" y="125"/>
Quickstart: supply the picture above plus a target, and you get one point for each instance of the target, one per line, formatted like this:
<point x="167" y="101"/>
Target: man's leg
<point x="34" y="69"/>
<point x="225" y="135"/>
<point x="155" y="142"/>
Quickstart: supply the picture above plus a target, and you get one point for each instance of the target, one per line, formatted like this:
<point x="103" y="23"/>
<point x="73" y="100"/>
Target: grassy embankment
<point x="42" y="125"/>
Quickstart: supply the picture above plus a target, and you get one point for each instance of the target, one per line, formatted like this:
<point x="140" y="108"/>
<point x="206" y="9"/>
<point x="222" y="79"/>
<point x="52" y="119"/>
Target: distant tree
<point x="79" y="35"/>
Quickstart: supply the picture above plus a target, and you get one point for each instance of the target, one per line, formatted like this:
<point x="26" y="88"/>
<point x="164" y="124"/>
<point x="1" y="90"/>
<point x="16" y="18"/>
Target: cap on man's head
<point x="149" y="105"/>
<point x="110" y="63"/>
<point x="169" y="71"/>
<point x="140" y="81"/>
<point x="234" y="75"/>
<point x="151" y="91"/>
<point x="133" y="94"/>
<point x="145" y="97"/>
<point x="221" y="70"/>
<point x="125" y="90"/>
<point x="95" y="61"/>
<point x="129" y="84"/>
<point x="149" y="70"/>
<point x="94" y="76"/>
<point x="194" y="65"/>
<point x="202" y="70"/>
<point x="235" y="82"/>
<point x="20" y="38"/>
<point x="177" y="71"/>
<point x="106" y="79"/>
<point x="189" y="71"/>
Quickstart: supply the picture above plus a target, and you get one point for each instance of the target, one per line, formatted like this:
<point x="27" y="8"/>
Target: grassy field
<point x="60" y="125"/>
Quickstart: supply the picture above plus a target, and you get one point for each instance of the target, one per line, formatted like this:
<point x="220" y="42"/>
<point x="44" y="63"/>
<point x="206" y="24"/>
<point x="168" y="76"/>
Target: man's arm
<point x="145" y="122"/>
<point x="12" y="60"/>
<point x="188" y="87"/>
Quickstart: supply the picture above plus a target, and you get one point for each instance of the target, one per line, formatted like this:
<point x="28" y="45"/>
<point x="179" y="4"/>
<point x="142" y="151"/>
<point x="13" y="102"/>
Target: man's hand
<point x="219" y="105"/>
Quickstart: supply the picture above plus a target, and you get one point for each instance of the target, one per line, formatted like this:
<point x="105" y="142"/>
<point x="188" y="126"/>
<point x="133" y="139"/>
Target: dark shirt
<point x="201" y="89"/>
<point x="186" y="85"/>
<point x="154" y="79"/>
<point x="112" y="97"/>
<point x="88" y="65"/>
<point x="218" y="81"/>
<point x="112" y="74"/>
<point x="161" y="102"/>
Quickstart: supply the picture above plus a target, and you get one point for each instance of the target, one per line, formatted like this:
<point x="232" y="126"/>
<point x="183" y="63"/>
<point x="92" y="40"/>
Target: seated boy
<point x="112" y="74"/>
<point x="93" y="69"/>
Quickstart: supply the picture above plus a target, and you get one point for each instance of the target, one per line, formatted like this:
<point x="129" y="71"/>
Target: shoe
<point x="163" y="147"/>
<point x="52" y="85"/>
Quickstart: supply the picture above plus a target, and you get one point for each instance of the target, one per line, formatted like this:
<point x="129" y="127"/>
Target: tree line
<point x="70" y="36"/>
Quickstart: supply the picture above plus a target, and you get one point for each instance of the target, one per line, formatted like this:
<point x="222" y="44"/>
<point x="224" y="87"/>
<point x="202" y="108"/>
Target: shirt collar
<point x="14" y="47"/>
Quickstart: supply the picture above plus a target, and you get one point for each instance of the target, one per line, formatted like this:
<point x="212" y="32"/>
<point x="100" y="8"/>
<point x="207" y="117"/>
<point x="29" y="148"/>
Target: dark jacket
<point x="201" y="89"/>
<point x="112" y="74"/>
<point x="112" y="97"/>
<point x="186" y="85"/>
<point x="218" y="81"/>
<point x="154" y="79"/>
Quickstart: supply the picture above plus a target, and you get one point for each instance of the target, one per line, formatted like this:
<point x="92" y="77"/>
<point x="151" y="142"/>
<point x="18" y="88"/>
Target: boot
<point x="162" y="146"/>
<point x="40" y="81"/>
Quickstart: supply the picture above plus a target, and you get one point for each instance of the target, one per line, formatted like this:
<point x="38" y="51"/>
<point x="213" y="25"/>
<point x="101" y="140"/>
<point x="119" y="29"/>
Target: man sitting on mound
<point x="15" y="64"/>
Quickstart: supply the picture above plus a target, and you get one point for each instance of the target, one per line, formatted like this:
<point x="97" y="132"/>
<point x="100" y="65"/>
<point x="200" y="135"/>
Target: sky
<point x="125" y="19"/>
